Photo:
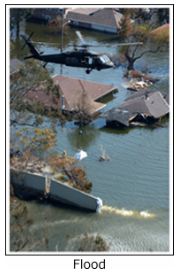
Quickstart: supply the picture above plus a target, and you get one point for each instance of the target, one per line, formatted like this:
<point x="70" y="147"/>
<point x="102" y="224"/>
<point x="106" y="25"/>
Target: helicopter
<point x="80" y="56"/>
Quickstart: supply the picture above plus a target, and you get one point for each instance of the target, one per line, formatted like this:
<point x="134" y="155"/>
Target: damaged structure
<point x="145" y="107"/>
<point x="33" y="186"/>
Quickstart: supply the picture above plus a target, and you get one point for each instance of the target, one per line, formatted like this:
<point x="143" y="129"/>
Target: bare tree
<point x="131" y="55"/>
<point x="84" y="106"/>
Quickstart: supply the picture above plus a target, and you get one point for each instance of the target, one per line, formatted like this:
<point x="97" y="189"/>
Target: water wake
<point x="126" y="213"/>
<point x="42" y="225"/>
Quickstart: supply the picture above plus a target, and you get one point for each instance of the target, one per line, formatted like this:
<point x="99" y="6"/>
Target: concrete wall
<point x="57" y="191"/>
<point x="72" y="196"/>
<point x="28" y="180"/>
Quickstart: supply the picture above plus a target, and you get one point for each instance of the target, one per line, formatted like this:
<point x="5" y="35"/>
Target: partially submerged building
<point x="74" y="95"/>
<point x="144" y="107"/>
<point x="102" y="19"/>
<point x="77" y="94"/>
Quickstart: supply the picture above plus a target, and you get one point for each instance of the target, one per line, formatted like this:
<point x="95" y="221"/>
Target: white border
<point x="42" y="263"/>
<point x="7" y="185"/>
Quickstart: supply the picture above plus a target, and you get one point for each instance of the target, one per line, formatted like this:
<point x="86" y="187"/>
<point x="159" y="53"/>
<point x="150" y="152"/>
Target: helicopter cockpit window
<point x="90" y="60"/>
<point x="104" y="59"/>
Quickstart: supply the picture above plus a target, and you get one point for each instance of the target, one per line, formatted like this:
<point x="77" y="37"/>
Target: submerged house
<point x="101" y="19"/>
<point x="76" y="94"/>
<point x="144" y="107"/>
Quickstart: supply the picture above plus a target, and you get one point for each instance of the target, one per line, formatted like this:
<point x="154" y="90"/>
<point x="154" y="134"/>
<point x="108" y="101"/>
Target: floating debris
<point x="80" y="155"/>
<point x="103" y="156"/>
<point x="138" y="85"/>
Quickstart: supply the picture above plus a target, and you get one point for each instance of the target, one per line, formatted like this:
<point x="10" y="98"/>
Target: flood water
<point x="135" y="179"/>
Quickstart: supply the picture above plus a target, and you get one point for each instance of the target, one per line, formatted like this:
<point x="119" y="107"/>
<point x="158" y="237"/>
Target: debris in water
<point x="80" y="155"/>
<point x="103" y="156"/>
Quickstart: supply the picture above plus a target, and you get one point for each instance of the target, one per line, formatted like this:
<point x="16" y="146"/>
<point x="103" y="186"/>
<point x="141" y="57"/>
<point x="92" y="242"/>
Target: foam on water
<point x="127" y="213"/>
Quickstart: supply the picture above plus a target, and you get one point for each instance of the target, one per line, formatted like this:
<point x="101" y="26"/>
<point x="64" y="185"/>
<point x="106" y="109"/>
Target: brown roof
<point x="161" y="33"/>
<point x="161" y="28"/>
<point x="106" y="16"/>
<point x="86" y="11"/>
<point x="74" y="90"/>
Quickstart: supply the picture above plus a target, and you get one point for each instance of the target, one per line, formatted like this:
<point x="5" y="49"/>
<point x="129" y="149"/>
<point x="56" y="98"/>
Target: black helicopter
<point x="81" y="57"/>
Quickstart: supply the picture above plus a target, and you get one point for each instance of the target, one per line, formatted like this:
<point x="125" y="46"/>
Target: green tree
<point x="31" y="76"/>
<point x="36" y="141"/>
<point x="131" y="54"/>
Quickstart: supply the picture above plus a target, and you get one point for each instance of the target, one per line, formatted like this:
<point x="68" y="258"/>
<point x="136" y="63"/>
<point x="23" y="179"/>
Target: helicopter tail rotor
<point x="33" y="51"/>
<point x="26" y="40"/>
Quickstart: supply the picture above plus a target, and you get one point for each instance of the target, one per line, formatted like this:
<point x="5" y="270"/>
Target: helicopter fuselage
<point x="77" y="58"/>
<point x="83" y="59"/>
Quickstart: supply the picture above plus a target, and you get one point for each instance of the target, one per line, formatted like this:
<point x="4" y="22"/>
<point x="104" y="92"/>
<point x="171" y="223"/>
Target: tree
<point x="131" y="54"/>
<point x="32" y="76"/>
<point x="126" y="27"/>
<point x="84" y="107"/>
<point x="34" y="142"/>
<point x="17" y="15"/>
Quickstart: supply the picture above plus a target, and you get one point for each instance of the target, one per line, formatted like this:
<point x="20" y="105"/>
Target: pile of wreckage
<point x="144" y="107"/>
<point x="139" y="81"/>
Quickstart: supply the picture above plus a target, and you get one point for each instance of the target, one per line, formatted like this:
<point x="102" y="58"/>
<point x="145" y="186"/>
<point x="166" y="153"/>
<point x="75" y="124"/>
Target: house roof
<point x="160" y="29"/>
<point x="74" y="90"/>
<point x="116" y="114"/>
<point x="147" y="103"/>
<point x="106" y="16"/>
<point x="86" y="11"/>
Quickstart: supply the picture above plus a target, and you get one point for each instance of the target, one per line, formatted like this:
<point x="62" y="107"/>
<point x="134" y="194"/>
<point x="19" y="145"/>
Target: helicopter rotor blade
<point x="130" y="43"/>
<point x="80" y="37"/>
<point x="44" y="42"/>
<point x="108" y="45"/>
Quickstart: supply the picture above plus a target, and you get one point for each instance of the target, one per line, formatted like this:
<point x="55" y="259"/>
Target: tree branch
<point x="147" y="51"/>
<point x="134" y="51"/>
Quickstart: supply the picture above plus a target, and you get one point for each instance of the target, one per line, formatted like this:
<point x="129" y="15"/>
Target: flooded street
<point x="133" y="184"/>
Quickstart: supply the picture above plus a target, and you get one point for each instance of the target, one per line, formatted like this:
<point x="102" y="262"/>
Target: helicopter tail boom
<point x="33" y="51"/>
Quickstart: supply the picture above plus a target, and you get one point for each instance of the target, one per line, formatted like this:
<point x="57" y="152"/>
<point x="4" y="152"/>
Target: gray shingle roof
<point x="106" y="16"/>
<point x="150" y="104"/>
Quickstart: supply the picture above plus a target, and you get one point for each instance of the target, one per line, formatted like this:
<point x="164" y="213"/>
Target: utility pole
<point x="62" y="34"/>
